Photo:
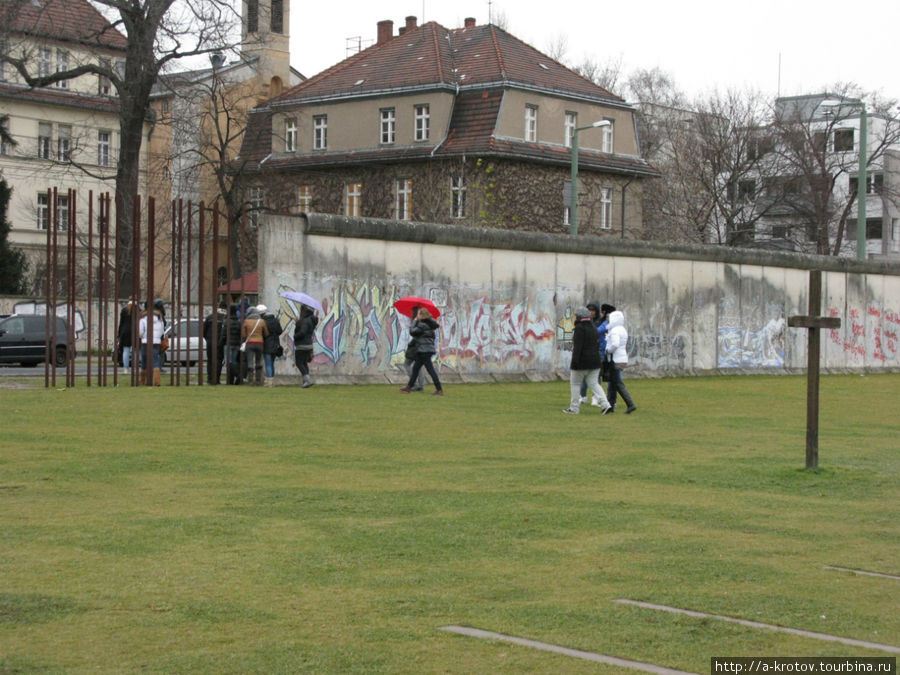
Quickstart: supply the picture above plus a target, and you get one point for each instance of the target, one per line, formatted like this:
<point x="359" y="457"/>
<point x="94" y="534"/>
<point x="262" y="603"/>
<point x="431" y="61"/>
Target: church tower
<point x="265" y="34"/>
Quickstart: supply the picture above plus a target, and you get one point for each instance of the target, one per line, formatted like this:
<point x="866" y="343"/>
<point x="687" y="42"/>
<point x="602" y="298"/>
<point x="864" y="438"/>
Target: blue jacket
<point x="601" y="332"/>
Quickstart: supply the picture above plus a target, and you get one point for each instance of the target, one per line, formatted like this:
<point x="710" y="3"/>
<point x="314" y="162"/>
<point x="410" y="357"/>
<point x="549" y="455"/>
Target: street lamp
<point x="861" y="178"/>
<point x="573" y="204"/>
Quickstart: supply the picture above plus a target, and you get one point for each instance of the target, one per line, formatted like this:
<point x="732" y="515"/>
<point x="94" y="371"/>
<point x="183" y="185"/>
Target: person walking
<point x="594" y="308"/>
<point x="272" y="343"/>
<point x="424" y="330"/>
<point x="617" y="348"/>
<point x="215" y="344"/>
<point x="233" y="349"/>
<point x="253" y="333"/>
<point x="124" y="333"/>
<point x="585" y="364"/>
<point x="409" y="358"/>
<point x="304" y="329"/>
<point x="152" y="336"/>
<point x="602" y="331"/>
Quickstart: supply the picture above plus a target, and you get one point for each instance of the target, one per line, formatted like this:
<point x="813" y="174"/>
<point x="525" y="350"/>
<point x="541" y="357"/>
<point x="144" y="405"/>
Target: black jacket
<point x="271" y="341"/>
<point x="208" y="329"/>
<point x="125" y="327"/>
<point x="234" y="331"/>
<point x="585" y="347"/>
<point x="304" y="329"/>
<point x="424" y="332"/>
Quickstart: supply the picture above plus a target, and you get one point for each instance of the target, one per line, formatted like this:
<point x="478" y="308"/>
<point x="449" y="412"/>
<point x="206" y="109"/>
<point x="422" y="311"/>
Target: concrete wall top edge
<point x="454" y="235"/>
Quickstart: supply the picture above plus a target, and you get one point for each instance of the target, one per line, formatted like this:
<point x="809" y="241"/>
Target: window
<point x="320" y="132"/>
<point x="843" y="140"/>
<point x="606" y="208"/>
<point x="277" y="16"/>
<point x="62" y="212"/>
<point x="103" y="148"/>
<point x="4" y="49"/>
<point x="45" y="57"/>
<point x="43" y="216"/>
<point x="531" y="123"/>
<point x="290" y="135"/>
<point x="5" y="148"/>
<point x="571" y="123"/>
<point x="874" y="184"/>
<point x="404" y="199"/>
<point x="567" y="216"/>
<point x="895" y="234"/>
<point x="304" y="199"/>
<point x="254" y="205"/>
<point x="387" y="126"/>
<point x="64" y="143"/>
<point x="606" y="142"/>
<point x="104" y="85"/>
<point x="352" y="199"/>
<point x="746" y="191"/>
<point x="779" y="231"/>
<point x="252" y="16"/>
<point x="423" y="123"/>
<point x="45" y="133"/>
<point x="62" y="65"/>
<point x="457" y="197"/>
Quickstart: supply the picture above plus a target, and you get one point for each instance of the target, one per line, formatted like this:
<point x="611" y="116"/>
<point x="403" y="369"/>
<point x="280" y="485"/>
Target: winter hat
<point x="262" y="309"/>
<point x="582" y="313"/>
<point x="606" y="309"/>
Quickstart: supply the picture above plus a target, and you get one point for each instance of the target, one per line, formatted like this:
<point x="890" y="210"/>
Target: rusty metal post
<point x="49" y="261"/>
<point x="190" y="208"/>
<point x="201" y="236"/>
<point x="54" y="223"/>
<point x="135" y="287"/>
<point x="71" y="259"/>
<point x="175" y="252"/>
<point x="90" y="289"/>
<point x="151" y="284"/>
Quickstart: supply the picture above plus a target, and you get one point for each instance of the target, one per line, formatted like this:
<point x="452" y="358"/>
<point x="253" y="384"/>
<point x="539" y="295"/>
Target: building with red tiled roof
<point x="66" y="134"/>
<point x="469" y="125"/>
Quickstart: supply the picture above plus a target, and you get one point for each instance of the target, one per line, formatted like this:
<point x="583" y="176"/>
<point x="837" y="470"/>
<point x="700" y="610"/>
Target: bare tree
<point x="159" y="32"/>
<point x="602" y="73"/>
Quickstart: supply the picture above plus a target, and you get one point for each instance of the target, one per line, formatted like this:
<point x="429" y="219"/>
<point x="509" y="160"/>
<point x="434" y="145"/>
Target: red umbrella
<point x="405" y="306"/>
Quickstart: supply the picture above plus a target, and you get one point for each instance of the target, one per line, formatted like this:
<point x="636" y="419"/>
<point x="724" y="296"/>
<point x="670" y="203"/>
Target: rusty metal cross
<point x="813" y="323"/>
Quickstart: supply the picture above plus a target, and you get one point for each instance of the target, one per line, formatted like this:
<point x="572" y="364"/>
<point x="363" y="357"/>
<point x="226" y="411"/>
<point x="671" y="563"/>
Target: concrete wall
<point x="507" y="300"/>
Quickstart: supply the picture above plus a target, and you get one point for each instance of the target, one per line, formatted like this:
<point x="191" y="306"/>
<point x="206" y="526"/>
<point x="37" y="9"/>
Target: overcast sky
<point x="703" y="44"/>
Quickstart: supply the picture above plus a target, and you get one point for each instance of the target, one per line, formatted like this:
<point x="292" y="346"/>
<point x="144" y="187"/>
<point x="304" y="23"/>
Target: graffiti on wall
<point x="759" y="346"/>
<point x="852" y="338"/>
<point x="658" y="345"/>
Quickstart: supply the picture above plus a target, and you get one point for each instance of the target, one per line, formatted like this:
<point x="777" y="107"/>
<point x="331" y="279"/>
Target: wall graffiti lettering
<point x="852" y="340"/>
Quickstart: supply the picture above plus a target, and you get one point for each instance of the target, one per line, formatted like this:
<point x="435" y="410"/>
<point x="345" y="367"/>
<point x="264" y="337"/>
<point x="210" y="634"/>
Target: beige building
<point x="66" y="134"/>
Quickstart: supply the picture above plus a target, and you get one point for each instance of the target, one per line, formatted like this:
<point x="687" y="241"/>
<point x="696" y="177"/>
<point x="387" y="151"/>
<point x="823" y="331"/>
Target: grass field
<point x="335" y="529"/>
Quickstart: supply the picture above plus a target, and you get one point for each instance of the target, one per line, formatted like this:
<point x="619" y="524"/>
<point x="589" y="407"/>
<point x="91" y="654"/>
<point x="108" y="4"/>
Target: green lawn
<point x="335" y="529"/>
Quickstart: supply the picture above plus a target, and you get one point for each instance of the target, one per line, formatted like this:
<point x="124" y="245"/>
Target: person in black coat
<point x="271" y="342"/>
<point x="304" y="329"/>
<point x="236" y="364"/>
<point x="215" y="344"/>
<point x="586" y="362"/>
<point x="424" y="331"/>
<point x="123" y="337"/>
<point x="409" y="359"/>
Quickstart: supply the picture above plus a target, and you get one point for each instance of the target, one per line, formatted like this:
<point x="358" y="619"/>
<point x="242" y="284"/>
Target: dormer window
<point x="320" y="132"/>
<point x="290" y="135"/>
<point x="423" y="123"/>
<point x="531" y="116"/>
<point x="388" y="126"/>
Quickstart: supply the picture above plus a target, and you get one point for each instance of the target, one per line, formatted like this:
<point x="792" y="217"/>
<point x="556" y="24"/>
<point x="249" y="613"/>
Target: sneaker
<point x="584" y="399"/>
<point x="569" y="411"/>
<point x="607" y="410"/>
<point x="631" y="409"/>
<point x="439" y="392"/>
<point x="596" y="403"/>
<point x="404" y="390"/>
<point x="418" y="389"/>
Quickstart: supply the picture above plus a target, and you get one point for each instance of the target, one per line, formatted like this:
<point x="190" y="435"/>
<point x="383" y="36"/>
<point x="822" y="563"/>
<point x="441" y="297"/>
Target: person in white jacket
<point x="617" y="348"/>
<point x="155" y="339"/>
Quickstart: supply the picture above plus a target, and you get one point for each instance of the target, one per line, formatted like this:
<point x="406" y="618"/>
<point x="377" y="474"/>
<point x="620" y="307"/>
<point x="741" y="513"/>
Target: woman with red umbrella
<point x="424" y="332"/>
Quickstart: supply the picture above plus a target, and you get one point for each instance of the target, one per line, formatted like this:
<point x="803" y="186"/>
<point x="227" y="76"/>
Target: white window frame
<point x="457" y="197"/>
<point x="388" y="126"/>
<point x="606" y="204"/>
<point x="43" y="211"/>
<point x="62" y="212"/>
<point x="62" y="65"/>
<point x="63" y="142"/>
<point x="45" y="60"/>
<point x="531" y="123"/>
<point x="255" y="204"/>
<point x="423" y="122"/>
<point x="104" y="84"/>
<point x="45" y="140"/>
<point x="570" y="125"/>
<point x="607" y="136"/>
<point x="353" y="199"/>
<point x="403" y="191"/>
<point x="290" y="135"/>
<point x="567" y="215"/>
<point x="304" y="199"/>
<point x="103" y="147"/>
<point x="320" y="132"/>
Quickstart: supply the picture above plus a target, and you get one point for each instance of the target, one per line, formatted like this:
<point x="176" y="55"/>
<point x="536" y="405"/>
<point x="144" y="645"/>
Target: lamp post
<point x="573" y="204"/>
<point x="861" y="181"/>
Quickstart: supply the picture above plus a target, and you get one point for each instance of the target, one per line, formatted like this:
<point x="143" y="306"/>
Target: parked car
<point x="186" y="341"/>
<point x="23" y="339"/>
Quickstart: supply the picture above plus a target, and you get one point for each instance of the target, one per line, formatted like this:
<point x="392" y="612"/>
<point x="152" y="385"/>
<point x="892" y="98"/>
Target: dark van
<point x="23" y="338"/>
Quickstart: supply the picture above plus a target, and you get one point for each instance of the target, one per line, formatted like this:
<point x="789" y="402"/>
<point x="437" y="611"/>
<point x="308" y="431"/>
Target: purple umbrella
<point x="303" y="299"/>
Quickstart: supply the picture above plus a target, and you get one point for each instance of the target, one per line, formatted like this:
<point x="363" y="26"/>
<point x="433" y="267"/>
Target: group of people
<point x="254" y="335"/>
<point x="146" y="335"/>
<point x="599" y="349"/>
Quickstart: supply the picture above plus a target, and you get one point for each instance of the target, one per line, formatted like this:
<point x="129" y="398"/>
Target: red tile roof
<point x="66" y="20"/>
<point x="433" y="56"/>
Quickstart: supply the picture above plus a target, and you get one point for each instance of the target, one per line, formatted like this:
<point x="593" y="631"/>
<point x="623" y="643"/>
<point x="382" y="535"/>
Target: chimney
<point x="411" y="23"/>
<point x="470" y="22"/>
<point x="385" y="31"/>
<point x="401" y="30"/>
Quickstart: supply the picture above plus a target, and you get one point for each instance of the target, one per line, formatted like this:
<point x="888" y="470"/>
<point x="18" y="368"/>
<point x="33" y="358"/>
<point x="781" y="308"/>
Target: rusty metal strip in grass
<point x="756" y="624"/>
<point x="576" y="653"/>
<point x="863" y="572"/>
